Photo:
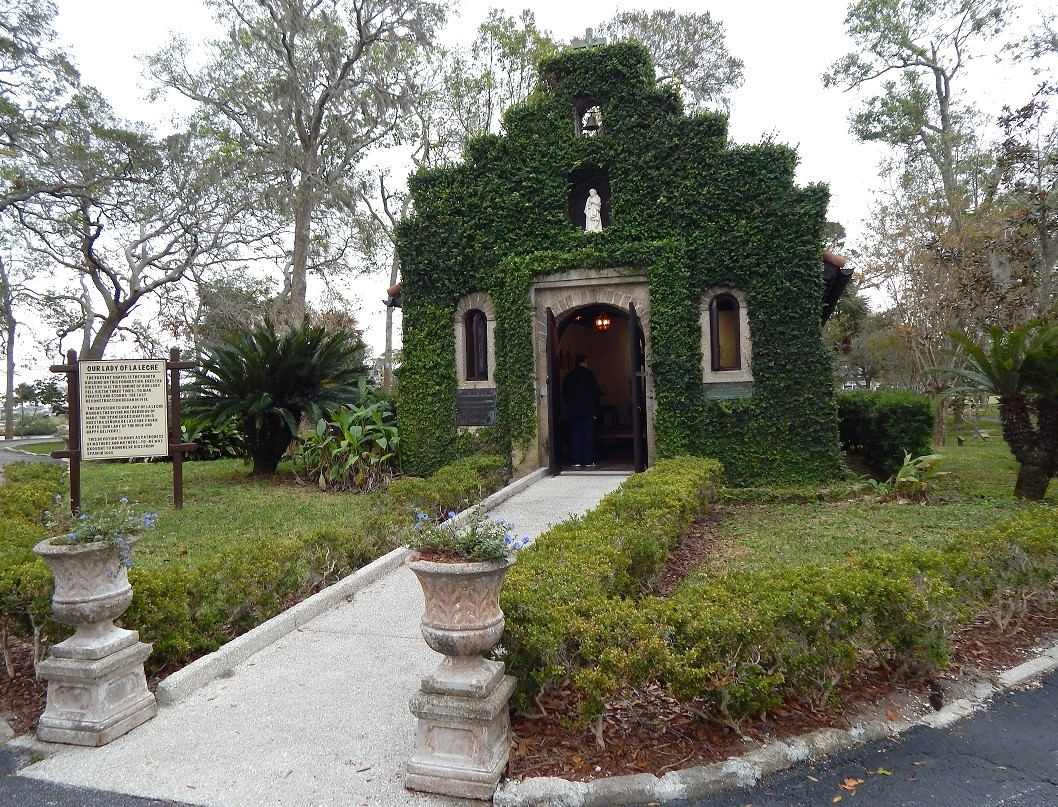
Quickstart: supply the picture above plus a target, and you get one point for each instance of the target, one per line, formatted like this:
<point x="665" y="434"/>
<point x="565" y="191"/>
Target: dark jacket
<point x="581" y="393"/>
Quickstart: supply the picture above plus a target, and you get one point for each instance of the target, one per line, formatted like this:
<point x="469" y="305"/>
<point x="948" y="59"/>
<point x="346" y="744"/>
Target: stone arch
<point x="563" y="293"/>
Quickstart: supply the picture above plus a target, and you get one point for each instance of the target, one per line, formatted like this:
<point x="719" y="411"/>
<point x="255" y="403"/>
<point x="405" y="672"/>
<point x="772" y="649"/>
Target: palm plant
<point x="1020" y="367"/>
<point x="269" y="381"/>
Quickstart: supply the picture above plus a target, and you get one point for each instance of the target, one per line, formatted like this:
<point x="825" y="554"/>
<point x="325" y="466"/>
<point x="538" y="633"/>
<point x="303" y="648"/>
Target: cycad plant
<point x="1020" y="368"/>
<point x="271" y="380"/>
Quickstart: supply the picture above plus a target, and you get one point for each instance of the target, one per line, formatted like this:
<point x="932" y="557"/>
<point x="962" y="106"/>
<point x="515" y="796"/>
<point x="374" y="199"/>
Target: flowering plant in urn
<point x="479" y="539"/>
<point x="89" y="555"/>
<point x="97" y="689"/>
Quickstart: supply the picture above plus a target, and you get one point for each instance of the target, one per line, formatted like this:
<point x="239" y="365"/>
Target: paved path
<point x="10" y="452"/>
<point x="318" y="717"/>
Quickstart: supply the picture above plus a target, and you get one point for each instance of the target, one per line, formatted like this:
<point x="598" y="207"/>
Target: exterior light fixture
<point x="602" y="322"/>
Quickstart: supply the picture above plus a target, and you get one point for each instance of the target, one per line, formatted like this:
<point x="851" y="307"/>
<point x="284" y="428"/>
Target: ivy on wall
<point x="687" y="209"/>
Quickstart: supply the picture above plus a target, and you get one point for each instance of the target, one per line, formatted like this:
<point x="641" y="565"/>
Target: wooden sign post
<point x="117" y="409"/>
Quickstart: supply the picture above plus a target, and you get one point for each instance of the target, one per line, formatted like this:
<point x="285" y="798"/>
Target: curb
<point x="747" y="770"/>
<point x="204" y="670"/>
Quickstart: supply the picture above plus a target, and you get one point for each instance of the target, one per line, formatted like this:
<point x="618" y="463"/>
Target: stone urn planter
<point x="97" y="689"/>
<point x="463" y="735"/>
<point x="462" y="620"/>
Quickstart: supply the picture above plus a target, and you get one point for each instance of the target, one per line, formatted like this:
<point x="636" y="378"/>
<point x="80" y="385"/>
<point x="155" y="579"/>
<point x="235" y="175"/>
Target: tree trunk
<point x="9" y="399"/>
<point x="304" y="204"/>
<point x="12" y="325"/>
<point x="940" y="426"/>
<point x="1033" y="478"/>
<point x="268" y="445"/>
<point x="958" y="411"/>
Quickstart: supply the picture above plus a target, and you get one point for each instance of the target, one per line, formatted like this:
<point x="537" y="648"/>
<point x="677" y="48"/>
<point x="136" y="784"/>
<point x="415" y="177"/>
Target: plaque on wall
<point x="476" y="407"/>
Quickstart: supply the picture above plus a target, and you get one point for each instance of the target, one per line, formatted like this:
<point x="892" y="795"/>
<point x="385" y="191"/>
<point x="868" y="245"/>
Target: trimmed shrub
<point x="190" y="604"/>
<point x="580" y="611"/>
<point x="582" y="574"/>
<point x="454" y="487"/>
<point x="883" y="427"/>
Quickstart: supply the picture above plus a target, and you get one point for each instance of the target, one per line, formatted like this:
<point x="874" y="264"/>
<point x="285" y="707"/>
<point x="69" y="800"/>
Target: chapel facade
<point x="605" y="221"/>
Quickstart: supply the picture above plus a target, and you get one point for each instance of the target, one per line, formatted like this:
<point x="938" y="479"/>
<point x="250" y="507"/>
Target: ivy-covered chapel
<point x="606" y="222"/>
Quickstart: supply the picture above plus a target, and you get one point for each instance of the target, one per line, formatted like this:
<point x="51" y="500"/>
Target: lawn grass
<point x="977" y="491"/>
<point x="223" y="504"/>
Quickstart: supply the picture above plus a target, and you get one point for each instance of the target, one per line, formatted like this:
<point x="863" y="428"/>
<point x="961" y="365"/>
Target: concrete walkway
<point x="310" y="709"/>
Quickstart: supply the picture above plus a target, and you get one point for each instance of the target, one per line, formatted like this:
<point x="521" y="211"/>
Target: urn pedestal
<point x="463" y="737"/>
<point x="97" y="689"/>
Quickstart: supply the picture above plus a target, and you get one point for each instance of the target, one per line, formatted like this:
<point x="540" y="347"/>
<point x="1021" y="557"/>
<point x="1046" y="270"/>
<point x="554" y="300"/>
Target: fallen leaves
<point x="851" y="784"/>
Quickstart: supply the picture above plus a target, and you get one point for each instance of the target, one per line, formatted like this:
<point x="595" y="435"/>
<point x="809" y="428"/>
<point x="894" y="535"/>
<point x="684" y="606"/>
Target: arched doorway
<point x="612" y="338"/>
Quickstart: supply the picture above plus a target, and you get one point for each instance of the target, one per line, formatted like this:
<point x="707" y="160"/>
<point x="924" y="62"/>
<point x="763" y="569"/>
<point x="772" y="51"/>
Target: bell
<point x="591" y="123"/>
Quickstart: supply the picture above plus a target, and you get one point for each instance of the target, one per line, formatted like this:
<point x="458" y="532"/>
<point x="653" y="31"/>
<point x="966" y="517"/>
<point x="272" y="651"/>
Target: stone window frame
<point x="478" y="301"/>
<point x="745" y="372"/>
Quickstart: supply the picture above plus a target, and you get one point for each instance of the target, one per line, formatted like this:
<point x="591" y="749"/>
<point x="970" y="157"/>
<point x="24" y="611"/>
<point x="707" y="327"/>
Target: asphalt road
<point x="1004" y="757"/>
<point x="17" y="791"/>
<point x="10" y="454"/>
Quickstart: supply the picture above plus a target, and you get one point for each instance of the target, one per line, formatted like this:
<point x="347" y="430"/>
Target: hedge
<point x="189" y="605"/>
<point x="556" y="595"/>
<point x="885" y="426"/>
<point x="580" y="609"/>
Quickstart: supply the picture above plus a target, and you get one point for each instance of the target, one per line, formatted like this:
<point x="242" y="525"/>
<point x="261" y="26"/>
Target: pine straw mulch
<point x="648" y="732"/>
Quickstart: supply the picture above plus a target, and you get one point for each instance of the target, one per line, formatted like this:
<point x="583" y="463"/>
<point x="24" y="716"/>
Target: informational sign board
<point x="123" y="409"/>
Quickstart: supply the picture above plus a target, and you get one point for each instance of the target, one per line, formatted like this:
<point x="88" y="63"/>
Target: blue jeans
<point x="582" y="440"/>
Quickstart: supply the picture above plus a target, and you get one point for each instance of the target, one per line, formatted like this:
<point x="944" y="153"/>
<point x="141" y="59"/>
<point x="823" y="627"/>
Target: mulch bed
<point x="648" y="732"/>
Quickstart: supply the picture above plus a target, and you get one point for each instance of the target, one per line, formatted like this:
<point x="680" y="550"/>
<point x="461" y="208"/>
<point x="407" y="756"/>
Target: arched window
<point x="725" y="333"/>
<point x="476" y="344"/>
<point x="727" y="346"/>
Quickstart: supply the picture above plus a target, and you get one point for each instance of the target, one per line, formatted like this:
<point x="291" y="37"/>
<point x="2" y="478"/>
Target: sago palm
<point x="269" y="381"/>
<point x="1020" y="368"/>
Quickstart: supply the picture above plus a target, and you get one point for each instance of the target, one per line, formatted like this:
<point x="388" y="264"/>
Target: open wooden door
<point x="554" y="463"/>
<point x="638" y="377"/>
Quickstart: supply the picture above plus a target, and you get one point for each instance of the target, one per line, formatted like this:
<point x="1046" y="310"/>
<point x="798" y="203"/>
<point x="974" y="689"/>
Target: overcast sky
<point x="785" y="46"/>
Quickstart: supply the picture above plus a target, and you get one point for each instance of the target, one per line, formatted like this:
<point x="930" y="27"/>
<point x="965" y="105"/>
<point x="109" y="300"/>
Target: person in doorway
<point x="582" y="394"/>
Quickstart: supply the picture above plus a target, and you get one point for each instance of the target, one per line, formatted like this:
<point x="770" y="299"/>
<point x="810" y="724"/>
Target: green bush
<point x="580" y="610"/>
<point x="885" y="426"/>
<point x="215" y="441"/>
<point x="455" y="486"/>
<point x="34" y="426"/>
<point x="351" y="448"/>
<point x="584" y="571"/>
<point x="188" y="604"/>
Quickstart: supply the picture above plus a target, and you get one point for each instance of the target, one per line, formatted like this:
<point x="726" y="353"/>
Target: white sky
<point x="785" y="46"/>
